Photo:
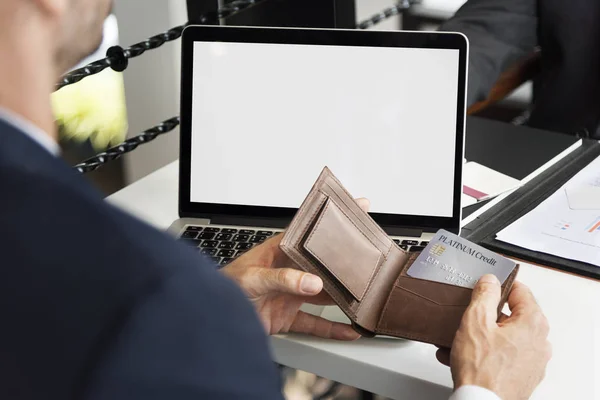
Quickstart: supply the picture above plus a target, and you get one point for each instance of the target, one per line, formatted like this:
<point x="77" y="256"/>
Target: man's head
<point x="40" y="41"/>
<point x="78" y="25"/>
<point x="69" y="29"/>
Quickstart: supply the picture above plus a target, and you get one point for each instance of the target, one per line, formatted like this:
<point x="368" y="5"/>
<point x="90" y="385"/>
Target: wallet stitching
<point x="359" y="298"/>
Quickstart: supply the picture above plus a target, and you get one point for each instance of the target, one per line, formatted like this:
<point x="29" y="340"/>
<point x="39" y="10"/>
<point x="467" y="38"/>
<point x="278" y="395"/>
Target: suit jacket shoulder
<point x="85" y="285"/>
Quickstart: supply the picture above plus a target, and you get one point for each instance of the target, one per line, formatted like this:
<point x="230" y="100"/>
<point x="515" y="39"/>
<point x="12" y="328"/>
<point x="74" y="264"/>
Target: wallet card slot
<point x="384" y="243"/>
<point x="330" y="279"/>
<point x="338" y="244"/>
<point x="413" y="316"/>
<point x="436" y="292"/>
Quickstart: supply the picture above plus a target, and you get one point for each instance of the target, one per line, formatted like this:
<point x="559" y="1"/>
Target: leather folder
<point x="364" y="271"/>
<point x="524" y="200"/>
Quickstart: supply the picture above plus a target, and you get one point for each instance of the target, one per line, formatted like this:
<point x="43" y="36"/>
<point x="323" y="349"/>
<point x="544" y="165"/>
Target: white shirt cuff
<point x="473" y="393"/>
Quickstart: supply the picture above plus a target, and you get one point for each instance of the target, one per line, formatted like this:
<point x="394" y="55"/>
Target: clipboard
<point x="484" y="228"/>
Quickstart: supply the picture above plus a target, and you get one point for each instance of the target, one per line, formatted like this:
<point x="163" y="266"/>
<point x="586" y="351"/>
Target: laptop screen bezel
<point x="402" y="39"/>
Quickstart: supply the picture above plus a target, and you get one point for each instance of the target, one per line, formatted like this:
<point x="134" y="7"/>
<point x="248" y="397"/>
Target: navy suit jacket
<point x="96" y="305"/>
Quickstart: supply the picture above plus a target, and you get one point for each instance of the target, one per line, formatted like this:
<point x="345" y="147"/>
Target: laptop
<point x="263" y="110"/>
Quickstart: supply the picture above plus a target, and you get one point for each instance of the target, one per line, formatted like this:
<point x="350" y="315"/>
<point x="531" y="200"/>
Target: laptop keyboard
<point x="411" y="245"/>
<point x="223" y="244"/>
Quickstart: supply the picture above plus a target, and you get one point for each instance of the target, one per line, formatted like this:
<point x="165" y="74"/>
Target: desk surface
<point x="401" y="369"/>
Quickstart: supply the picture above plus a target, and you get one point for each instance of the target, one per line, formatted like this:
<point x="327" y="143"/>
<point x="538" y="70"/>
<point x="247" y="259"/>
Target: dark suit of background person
<point x="567" y="95"/>
<point x="95" y="305"/>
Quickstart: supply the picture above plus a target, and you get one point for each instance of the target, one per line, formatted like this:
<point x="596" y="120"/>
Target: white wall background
<point x="152" y="80"/>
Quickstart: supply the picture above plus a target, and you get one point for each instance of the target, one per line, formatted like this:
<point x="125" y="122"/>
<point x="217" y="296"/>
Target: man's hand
<point x="507" y="357"/>
<point x="278" y="289"/>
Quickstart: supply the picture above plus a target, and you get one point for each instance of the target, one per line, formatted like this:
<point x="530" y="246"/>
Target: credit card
<point x="455" y="261"/>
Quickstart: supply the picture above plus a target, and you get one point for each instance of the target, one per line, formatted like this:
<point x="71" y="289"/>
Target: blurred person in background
<point x="501" y="32"/>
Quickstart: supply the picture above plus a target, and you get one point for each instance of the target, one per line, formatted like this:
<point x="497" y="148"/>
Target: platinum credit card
<point x="455" y="261"/>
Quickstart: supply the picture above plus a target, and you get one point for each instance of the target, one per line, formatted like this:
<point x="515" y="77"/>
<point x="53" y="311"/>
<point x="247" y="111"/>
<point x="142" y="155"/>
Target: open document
<point x="566" y="224"/>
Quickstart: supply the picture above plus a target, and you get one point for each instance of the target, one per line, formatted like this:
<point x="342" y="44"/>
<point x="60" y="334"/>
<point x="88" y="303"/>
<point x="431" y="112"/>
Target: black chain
<point x="113" y="153"/>
<point x="118" y="58"/>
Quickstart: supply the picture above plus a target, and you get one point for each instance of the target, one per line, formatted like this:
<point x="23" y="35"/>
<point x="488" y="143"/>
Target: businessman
<point x="96" y="305"/>
<point x="500" y="32"/>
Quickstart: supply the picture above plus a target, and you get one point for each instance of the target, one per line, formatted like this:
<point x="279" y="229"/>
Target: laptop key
<point x="217" y="260"/>
<point x="414" y="249"/>
<point x="226" y="253"/>
<point x="228" y="230"/>
<point x="227" y="245"/>
<point x="396" y="241"/>
<point x="243" y="246"/>
<point x="209" y="252"/>
<point x="257" y="239"/>
<point x="226" y="261"/>
<point x="223" y="236"/>
<point x="410" y="242"/>
<point x="247" y="232"/>
<point x="241" y="238"/>
<point x="209" y="244"/>
<point x="265" y="233"/>
<point x="212" y="230"/>
<point x="206" y="235"/>
<point x="424" y="243"/>
<point x="189" y="235"/>
<point x="404" y="247"/>
<point x="193" y="228"/>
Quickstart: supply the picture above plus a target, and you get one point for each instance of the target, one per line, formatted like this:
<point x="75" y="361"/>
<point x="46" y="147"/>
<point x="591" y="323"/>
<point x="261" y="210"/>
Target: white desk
<point x="407" y="370"/>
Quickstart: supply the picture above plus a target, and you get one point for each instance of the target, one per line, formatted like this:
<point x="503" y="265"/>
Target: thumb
<point x="364" y="204"/>
<point x="484" y="300"/>
<point x="285" y="280"/>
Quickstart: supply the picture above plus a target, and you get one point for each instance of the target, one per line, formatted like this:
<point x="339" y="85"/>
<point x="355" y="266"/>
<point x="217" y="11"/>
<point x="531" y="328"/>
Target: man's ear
<point x="53" y="8"/>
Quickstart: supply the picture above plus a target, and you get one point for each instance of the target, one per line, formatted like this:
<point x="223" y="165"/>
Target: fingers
<point x="484" y="300"/>
<point x="443" y="356"/>
<point x="320" y="327"/>
<point x="521" y="300"/>
<point x="503" y="318"/>
<point x="364" y="204"/>
<point x="525" y="309"/>
<point x="283" y="280"/>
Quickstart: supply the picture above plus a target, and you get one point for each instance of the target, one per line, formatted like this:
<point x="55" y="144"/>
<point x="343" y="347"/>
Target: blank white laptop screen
<point x="266" y="119"/>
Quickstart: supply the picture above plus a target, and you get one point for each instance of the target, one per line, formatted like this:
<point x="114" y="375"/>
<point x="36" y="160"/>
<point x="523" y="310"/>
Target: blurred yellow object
<point x="94" y="109"/>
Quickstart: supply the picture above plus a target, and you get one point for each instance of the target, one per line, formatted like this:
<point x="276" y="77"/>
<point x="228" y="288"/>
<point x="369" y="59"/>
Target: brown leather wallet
<point x="364" y="271"/>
